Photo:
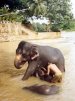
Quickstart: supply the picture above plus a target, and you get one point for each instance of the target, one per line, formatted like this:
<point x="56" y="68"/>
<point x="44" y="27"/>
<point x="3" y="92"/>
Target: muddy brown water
<point x="10" y="78"/>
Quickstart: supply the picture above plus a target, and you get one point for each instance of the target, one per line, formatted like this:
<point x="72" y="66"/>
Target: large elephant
<point x="44" y="55"/>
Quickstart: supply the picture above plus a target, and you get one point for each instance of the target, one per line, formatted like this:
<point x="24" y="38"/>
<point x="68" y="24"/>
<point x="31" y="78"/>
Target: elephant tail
<point x="43" y="89"/>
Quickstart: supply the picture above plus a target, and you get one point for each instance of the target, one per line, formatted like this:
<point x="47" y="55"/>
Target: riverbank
<point x="40" y="36"/>
<point x="15" y="31"/>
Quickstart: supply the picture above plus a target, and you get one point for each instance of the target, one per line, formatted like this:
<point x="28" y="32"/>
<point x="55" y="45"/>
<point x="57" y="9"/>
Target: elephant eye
<point x="24" y="55"/>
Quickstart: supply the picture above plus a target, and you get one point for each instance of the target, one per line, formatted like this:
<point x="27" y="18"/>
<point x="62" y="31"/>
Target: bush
<point x="55" y="28"/>
<point x="41" y="27"/>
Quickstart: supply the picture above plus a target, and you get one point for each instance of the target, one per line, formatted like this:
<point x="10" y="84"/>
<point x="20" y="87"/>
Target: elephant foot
<point x="24" y="78"/>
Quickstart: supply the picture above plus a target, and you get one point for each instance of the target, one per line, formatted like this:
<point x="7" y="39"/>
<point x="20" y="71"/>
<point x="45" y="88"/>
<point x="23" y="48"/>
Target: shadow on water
<point x="10" y="78"/>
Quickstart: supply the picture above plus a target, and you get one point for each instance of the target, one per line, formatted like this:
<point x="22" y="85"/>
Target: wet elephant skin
<point x="43" y="89"/>
<point x="25" y="51"/>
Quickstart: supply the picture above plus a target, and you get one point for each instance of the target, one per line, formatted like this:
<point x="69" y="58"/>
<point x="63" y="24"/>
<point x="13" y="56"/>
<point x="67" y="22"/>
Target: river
<point x="11" y="85"/>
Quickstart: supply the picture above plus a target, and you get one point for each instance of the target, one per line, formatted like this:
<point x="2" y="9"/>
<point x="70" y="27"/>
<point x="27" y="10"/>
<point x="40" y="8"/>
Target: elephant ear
<point x="34" y="52"/>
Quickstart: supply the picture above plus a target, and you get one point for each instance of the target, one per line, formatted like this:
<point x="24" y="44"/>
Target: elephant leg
<point x="39" y="72"/>
<point x="61" y="65"/>
<point x="30" y="70"/>
<point x="57" y="77"/>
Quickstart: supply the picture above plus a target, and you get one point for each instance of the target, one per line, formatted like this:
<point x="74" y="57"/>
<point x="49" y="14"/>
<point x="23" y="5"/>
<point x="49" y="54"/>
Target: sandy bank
<point x="14" y="31"/>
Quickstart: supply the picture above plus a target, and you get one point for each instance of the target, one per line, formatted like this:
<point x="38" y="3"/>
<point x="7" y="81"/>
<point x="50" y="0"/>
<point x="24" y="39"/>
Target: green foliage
<point x="5" y="14"/>
<point x="58" y="12"/>
<point x="41" y="27"/>
<point x="37" y="7"/>
<point x="4" y="11"/>
<point x="55" y="28"/>
<point x="71" y="26"/>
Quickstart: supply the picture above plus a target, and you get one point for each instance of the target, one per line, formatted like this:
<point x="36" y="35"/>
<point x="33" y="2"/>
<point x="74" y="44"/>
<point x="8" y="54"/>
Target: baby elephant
<point x="43" y="89"/>
<point x="39" y="56"/>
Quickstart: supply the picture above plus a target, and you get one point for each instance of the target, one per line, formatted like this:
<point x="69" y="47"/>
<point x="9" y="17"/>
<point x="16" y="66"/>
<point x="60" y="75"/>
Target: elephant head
<point x="24" y="53"/>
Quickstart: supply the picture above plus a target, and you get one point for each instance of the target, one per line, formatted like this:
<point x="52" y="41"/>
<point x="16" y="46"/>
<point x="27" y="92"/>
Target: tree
<point x="5" y="14"/>
<point x="59" y="13"/>
<point x="37" y="7"/>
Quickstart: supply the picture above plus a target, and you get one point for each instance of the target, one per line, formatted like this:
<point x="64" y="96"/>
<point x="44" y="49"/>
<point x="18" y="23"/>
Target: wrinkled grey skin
<point x="47" y="54"/>
<point x="24" y="53"/>
<point x="43" y="89"/>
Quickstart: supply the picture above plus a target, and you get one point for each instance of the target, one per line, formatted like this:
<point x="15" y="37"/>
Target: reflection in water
<point x="10" y="79"/>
